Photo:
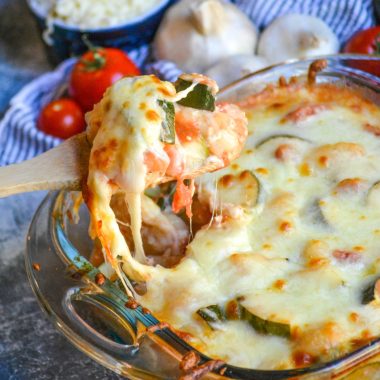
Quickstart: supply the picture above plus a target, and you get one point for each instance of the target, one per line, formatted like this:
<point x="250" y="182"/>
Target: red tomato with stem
<point x="96" y="70"/>
<point x="366" y="42"/>
<point x="61" y="118"/>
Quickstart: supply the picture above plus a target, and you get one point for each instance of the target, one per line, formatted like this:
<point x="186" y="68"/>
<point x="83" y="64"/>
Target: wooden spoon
<point x="64" y="168"/>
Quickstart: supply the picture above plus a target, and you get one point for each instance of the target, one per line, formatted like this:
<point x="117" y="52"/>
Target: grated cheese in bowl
<point x="90" y="14"/>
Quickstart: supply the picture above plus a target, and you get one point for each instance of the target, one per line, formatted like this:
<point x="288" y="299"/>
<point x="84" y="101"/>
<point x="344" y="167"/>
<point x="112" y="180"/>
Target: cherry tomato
<point x="61" y="118"/>
<point x="95" y="72"/>
<point x="366" y="42"/>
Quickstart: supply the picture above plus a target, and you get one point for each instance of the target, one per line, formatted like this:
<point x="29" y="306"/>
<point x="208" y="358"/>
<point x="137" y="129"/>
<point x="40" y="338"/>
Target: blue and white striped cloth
<point x="21" y="140"/>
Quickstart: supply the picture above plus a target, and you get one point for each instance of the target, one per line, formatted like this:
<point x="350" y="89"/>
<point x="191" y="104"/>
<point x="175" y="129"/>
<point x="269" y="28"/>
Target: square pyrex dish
<point x="93" y="316"/>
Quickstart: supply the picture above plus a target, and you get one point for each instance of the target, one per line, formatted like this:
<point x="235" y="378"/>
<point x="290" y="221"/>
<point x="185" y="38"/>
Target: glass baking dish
<point x="93" y="315"/>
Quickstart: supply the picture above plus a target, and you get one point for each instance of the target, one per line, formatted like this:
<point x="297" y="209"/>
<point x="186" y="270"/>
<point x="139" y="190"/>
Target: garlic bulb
<point x="234" y="67"/>
<point x="195" y="34"/>
<point x="296" y="36"/>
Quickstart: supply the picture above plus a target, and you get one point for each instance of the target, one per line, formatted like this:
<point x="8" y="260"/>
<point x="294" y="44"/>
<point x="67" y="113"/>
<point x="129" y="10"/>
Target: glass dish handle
<point x="96" y="317"/>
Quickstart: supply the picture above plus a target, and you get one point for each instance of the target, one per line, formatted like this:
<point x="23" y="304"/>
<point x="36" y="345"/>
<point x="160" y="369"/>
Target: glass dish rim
<point x="245" y="373"/>
<point x="362" y="76"/>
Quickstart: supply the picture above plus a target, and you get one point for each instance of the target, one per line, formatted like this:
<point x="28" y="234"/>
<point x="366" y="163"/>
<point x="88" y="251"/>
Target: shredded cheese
<point x="89" y="14"/>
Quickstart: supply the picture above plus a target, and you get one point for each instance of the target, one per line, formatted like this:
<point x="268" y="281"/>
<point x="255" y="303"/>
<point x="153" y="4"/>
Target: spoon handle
<point x="62" y="167"/>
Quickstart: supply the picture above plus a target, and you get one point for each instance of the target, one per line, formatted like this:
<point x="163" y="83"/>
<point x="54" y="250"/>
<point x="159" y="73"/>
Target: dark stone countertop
<point x="30" y="348"/>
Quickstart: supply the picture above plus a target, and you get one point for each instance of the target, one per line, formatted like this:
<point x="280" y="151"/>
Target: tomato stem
<point x="88" y="43"/>
<point x="98" y="60"/>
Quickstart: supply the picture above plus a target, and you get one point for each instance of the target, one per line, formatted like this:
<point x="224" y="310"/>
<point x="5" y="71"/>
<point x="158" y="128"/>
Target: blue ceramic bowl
<point x="68" y="40"/>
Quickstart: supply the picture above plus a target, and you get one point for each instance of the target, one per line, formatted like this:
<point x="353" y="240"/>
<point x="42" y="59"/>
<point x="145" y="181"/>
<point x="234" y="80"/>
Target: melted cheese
<point x="120" y="138"/>
<point x="304" y="253"/>
<point x="128" y="154"/>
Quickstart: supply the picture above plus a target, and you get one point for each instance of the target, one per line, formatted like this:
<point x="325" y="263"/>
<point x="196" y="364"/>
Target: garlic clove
<point x="208" y="16"/>
<point x="196" y="34"/>
<point x="235" y="67"/>
<point x="296" y="36"/>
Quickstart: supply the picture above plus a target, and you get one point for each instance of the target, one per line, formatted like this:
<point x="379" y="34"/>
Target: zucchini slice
<point x="200" y="97"/>
<point x="281" y="139"/>
<point x="284" y="147"/>
<point x="196" y="152"/>
<point x="373" y="196"/>
<point x="234" y="310"/>
<point x="167" y="134"/>
<point x="313" y="214"/>
<point x="372" y="292"/>
<point x="212" y="314"/>
<point x="266" y="326"/>
<point x="242" y="189"/>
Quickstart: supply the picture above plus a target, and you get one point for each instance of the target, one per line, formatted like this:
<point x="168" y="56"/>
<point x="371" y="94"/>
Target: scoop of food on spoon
<point x="143" y="132"/>
<point x="195" y="136"/>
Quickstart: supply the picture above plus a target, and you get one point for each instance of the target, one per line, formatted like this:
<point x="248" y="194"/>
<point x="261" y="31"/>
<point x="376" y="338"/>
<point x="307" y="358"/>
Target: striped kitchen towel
<point x="20" y="139"/>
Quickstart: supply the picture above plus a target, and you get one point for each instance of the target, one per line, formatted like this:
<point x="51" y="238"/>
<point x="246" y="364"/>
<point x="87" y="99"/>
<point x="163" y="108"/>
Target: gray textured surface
<point x="22" y="55"/>
<point x="30" y="348"/>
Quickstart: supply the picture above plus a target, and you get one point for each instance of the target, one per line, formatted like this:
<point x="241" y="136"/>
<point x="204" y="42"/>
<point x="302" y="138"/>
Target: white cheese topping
<point x="304" y="252"/>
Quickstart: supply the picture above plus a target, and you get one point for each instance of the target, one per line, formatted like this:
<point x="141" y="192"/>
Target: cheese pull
<point x="144" y="132"/>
